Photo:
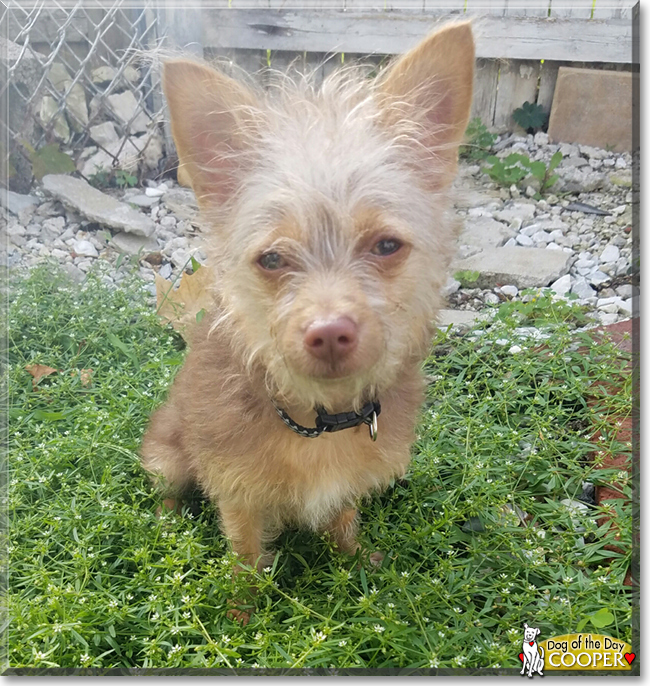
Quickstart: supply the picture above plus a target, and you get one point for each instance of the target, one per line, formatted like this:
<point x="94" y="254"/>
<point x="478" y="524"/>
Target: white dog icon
<point x="533" y="660"/>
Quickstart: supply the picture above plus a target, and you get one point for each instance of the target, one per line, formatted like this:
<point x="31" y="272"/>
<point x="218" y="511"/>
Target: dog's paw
<point x="173" y="505"/>
<point x="240" y="616"/>
<point x="376" y="558"/>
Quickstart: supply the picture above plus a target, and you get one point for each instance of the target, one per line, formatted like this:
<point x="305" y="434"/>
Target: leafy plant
<point x="517" y="167"/>
<point x="48" y="160"/>
<point x="124" y="179"/>
<point x="530" y="116"/>
<point x="467" y="278"/>
<point x="113" y="178"/>
<point x="479" y="141"/>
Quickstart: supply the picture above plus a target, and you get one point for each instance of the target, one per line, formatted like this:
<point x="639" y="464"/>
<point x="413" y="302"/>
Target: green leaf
<point x="538" y="170"/>
<point x="555" y="160"/>
<point x="195" y="264"/>
<point x="364" y="581"/>
<point x="581" y="624"/>
<point x="48" y="416"/>
<point x="602" y="618"/>
<point x="50" y="160"/>
<point x="117" y="343"/>
<point x="199" y="315"/>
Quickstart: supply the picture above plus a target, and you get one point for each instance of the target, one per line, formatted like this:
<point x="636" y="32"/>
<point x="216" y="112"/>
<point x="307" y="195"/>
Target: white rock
<point x="624" y="291"/>
<point x="620" y="163"/>
<point x="521" y="211"/>
<point x="608" y="301"/>
<point x="154" y="192"/>
<point x="104" y="133"/>
<point x="85" y="248"/>
<point x="553" y="246"/>
<point x="625" y="307"/>
<point x="510" y="243"/>
<point x="541" y="138"/>
<point x="511" y="291"/>
<point x="582" y="289"/>
<point x="168" y="222"/>
<point x="180" y="258"/>
<point x="610" y="254"/>
<point x="103" y="74"/>
<point x="562" y="286"/>
<point x="526" y="241"/>
<point x="165" y="270"/>
<point x="612" y="308"/>
<point x="47" y="112"/>
<point x="541" y="237"/>
<point x="514" y="350"/>
<point x="60" y="254"/>
<point x="607" y="318"/>
<point x="597" y="278"/>
<point x="125" y="106"/>
<point x="450" y="287"/>
<point x="491" y="299"/>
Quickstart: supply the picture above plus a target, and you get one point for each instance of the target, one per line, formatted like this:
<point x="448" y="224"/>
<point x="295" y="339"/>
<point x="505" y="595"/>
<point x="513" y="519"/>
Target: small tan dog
<point x="331" y="238"/>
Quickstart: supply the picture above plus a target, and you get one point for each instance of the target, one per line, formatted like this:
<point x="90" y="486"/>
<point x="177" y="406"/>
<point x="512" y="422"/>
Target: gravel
<point x="599" y="246"/>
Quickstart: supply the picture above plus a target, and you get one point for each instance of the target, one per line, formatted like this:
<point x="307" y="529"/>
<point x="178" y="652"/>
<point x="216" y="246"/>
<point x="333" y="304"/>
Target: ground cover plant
<point x="477" y="538"/>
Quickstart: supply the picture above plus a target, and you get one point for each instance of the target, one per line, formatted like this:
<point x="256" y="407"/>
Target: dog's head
<point x="530" y="633"/>
<point x="331" y="229"/>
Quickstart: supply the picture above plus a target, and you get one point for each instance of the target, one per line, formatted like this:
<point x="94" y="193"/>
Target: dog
<point x="331" y="232"/>
<point x="533" y="656"/>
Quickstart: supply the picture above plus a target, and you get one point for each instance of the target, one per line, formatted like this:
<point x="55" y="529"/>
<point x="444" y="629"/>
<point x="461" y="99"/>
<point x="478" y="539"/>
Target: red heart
<point x="531" y="643"/>
<point x="629" y="657"/>
<point x="521" y="656"/>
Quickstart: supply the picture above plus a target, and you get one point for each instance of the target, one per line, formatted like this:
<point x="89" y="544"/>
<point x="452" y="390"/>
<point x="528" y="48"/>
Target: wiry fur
<point x="318" y="176"/>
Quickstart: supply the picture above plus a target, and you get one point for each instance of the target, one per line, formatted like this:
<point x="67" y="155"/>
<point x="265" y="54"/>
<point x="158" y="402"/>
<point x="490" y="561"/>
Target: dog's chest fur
<point x="237" y="448"/>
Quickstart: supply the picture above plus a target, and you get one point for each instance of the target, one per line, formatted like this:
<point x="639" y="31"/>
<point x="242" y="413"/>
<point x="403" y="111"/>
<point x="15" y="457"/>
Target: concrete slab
<point x="592" y="107"/>
<point x="522" y="267"/>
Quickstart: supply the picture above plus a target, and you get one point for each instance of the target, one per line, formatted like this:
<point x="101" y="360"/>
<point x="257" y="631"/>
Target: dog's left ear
<point x="538" y="632"/>
<point x="432" y="84"/>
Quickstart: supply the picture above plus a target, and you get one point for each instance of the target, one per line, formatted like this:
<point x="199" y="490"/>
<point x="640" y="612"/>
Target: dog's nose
<point x="331" y="340"/>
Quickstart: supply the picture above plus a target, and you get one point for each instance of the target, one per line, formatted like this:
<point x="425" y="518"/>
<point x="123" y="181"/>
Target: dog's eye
<point x="271" y="261"/>
<point x="387" y="246"/>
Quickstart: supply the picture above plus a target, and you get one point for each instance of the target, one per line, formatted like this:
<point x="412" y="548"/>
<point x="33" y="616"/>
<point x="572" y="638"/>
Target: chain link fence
<point x="75" y="92"/>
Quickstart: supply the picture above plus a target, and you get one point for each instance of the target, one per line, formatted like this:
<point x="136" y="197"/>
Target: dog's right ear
<point x="212" y="117"/>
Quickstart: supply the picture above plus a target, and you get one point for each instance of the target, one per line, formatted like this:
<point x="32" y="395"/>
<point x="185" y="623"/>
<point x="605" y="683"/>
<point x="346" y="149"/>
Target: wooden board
<point x="512" y="37"/>
<point x="486" y="76"/>
<point x="517" y="84"/>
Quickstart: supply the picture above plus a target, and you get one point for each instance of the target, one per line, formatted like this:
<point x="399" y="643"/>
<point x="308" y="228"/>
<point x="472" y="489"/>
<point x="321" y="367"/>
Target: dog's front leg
<point x="244" y="528"/>
<point x="343" y="530"/>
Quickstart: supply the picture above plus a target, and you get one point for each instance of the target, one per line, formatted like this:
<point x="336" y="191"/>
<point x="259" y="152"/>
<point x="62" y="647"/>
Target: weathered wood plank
<point x="182" y="25"/>
<point x="517" y="84"/>
<point x="526" y="38"/>
<point x="486" y="76"/>
<point x="576" y="9"/>
<point x="547" y="79"/>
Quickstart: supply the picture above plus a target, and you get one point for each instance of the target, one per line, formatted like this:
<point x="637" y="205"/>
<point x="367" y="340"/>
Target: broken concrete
<point x="522" y="267"/>
<point x="97" y="206"/>
<point x="132" y="244"/>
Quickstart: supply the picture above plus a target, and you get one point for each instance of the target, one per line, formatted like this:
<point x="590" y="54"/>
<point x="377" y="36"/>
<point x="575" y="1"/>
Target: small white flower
<point x="343" y="643"/>
<point x="379" y="628"/>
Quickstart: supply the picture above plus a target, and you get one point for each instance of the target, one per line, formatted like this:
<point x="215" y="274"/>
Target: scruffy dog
<point x="331" y="238"/>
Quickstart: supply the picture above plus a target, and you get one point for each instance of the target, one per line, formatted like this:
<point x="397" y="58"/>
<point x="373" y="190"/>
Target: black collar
<point x="327" y="423"/>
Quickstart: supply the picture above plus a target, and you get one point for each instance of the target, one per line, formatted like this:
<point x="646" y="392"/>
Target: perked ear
<point x="211" y="115"/>
<point x="434" y="81"/>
